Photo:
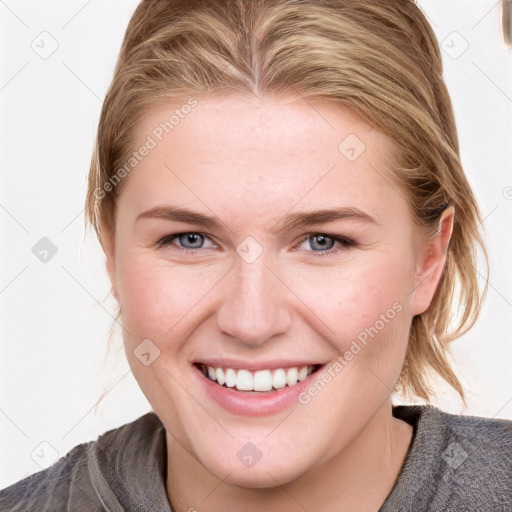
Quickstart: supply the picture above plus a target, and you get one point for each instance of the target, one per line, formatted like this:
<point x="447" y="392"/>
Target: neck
<point x="359" y="477"/>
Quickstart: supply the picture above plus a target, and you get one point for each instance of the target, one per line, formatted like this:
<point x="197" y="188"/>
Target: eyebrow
<point x="291" y="221"/>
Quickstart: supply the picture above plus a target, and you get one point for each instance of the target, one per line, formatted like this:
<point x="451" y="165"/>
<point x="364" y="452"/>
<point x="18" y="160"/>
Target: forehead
<point x="266" y="154"/>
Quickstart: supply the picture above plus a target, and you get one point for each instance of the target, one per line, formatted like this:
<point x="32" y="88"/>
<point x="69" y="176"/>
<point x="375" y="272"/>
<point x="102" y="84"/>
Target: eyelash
<point x="345" y="242"/>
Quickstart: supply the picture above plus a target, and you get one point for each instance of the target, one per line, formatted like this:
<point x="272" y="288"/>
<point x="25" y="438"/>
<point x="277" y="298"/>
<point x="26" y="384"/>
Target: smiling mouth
<point x="261" y="380"/>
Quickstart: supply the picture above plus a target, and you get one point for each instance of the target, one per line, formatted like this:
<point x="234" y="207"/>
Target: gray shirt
<point x="454" y="463"/>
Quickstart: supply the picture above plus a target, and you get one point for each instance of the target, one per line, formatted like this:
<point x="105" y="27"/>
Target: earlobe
<point x="431" y="261"/>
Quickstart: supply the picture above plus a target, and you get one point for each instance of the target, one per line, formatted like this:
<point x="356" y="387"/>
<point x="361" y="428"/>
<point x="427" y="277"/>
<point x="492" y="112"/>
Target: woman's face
<point x="265" y="284"/>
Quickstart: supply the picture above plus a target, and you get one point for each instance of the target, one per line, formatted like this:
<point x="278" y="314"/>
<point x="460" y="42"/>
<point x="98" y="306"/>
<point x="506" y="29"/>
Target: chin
<point x="268" y="468"/>
<point x="264" y="477"/>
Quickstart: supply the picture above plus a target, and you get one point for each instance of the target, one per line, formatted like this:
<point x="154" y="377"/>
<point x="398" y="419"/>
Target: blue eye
<point x="326" y="242"/>
<point x="192" y="243"/>
<point x="195" y="239"/>
<point x="189" y="241"/>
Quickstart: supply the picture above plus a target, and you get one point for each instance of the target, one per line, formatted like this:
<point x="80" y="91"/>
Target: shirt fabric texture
<point x="454" y="464"/>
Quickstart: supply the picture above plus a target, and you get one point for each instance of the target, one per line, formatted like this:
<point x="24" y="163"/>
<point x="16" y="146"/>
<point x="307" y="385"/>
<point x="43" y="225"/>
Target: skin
<point x="249" y="161"/>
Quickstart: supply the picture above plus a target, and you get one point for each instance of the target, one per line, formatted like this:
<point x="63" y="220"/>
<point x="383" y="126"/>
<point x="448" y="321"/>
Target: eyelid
<point x="329" y="235"/>
<point x="167" y="240"/>
<point x="345" y="242"/>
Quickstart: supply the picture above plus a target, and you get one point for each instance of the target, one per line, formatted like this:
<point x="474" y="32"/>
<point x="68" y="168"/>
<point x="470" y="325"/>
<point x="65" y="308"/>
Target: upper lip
<point x="255" y="365"/>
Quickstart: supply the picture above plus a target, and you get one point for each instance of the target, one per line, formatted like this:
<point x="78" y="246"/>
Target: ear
<point x="430" y="262"/>
<point x="107" y="242"/>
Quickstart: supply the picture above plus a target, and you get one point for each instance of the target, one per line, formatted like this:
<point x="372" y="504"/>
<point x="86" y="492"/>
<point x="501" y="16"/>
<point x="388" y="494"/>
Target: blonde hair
<point x="379" y="59"/>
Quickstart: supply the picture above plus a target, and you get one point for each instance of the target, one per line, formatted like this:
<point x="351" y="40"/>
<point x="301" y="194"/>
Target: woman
<point x="289" y="233"/>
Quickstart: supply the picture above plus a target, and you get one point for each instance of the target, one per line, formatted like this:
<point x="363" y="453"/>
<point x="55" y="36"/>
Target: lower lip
<point x="254" y="403"/>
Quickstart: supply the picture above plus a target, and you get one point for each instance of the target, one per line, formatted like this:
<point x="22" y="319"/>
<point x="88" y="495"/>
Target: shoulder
<point x="470" y="442"/>
<point x="482" y="433"/>
<point x="455" y="462"/>
<point x="50" y="489"/>
<point x="72" y="481"/>
<point x="477" y="450"/>
<point x="485" y="434"/>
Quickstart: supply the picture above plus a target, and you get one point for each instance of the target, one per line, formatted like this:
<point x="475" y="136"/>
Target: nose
<point x="254" y="308"/>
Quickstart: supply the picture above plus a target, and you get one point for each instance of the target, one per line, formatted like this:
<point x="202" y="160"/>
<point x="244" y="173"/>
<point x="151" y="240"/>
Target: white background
<point x="56" y="315"/>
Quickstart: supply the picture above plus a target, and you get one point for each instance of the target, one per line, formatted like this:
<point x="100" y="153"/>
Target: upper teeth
<point x="261" y="380"/>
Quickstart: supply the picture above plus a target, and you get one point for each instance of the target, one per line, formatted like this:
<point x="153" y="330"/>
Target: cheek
<point x="163" y="301"/>
<point x="366" y="301"/>
<point x="357" y="294"/>
<point x="155" y="296"/>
